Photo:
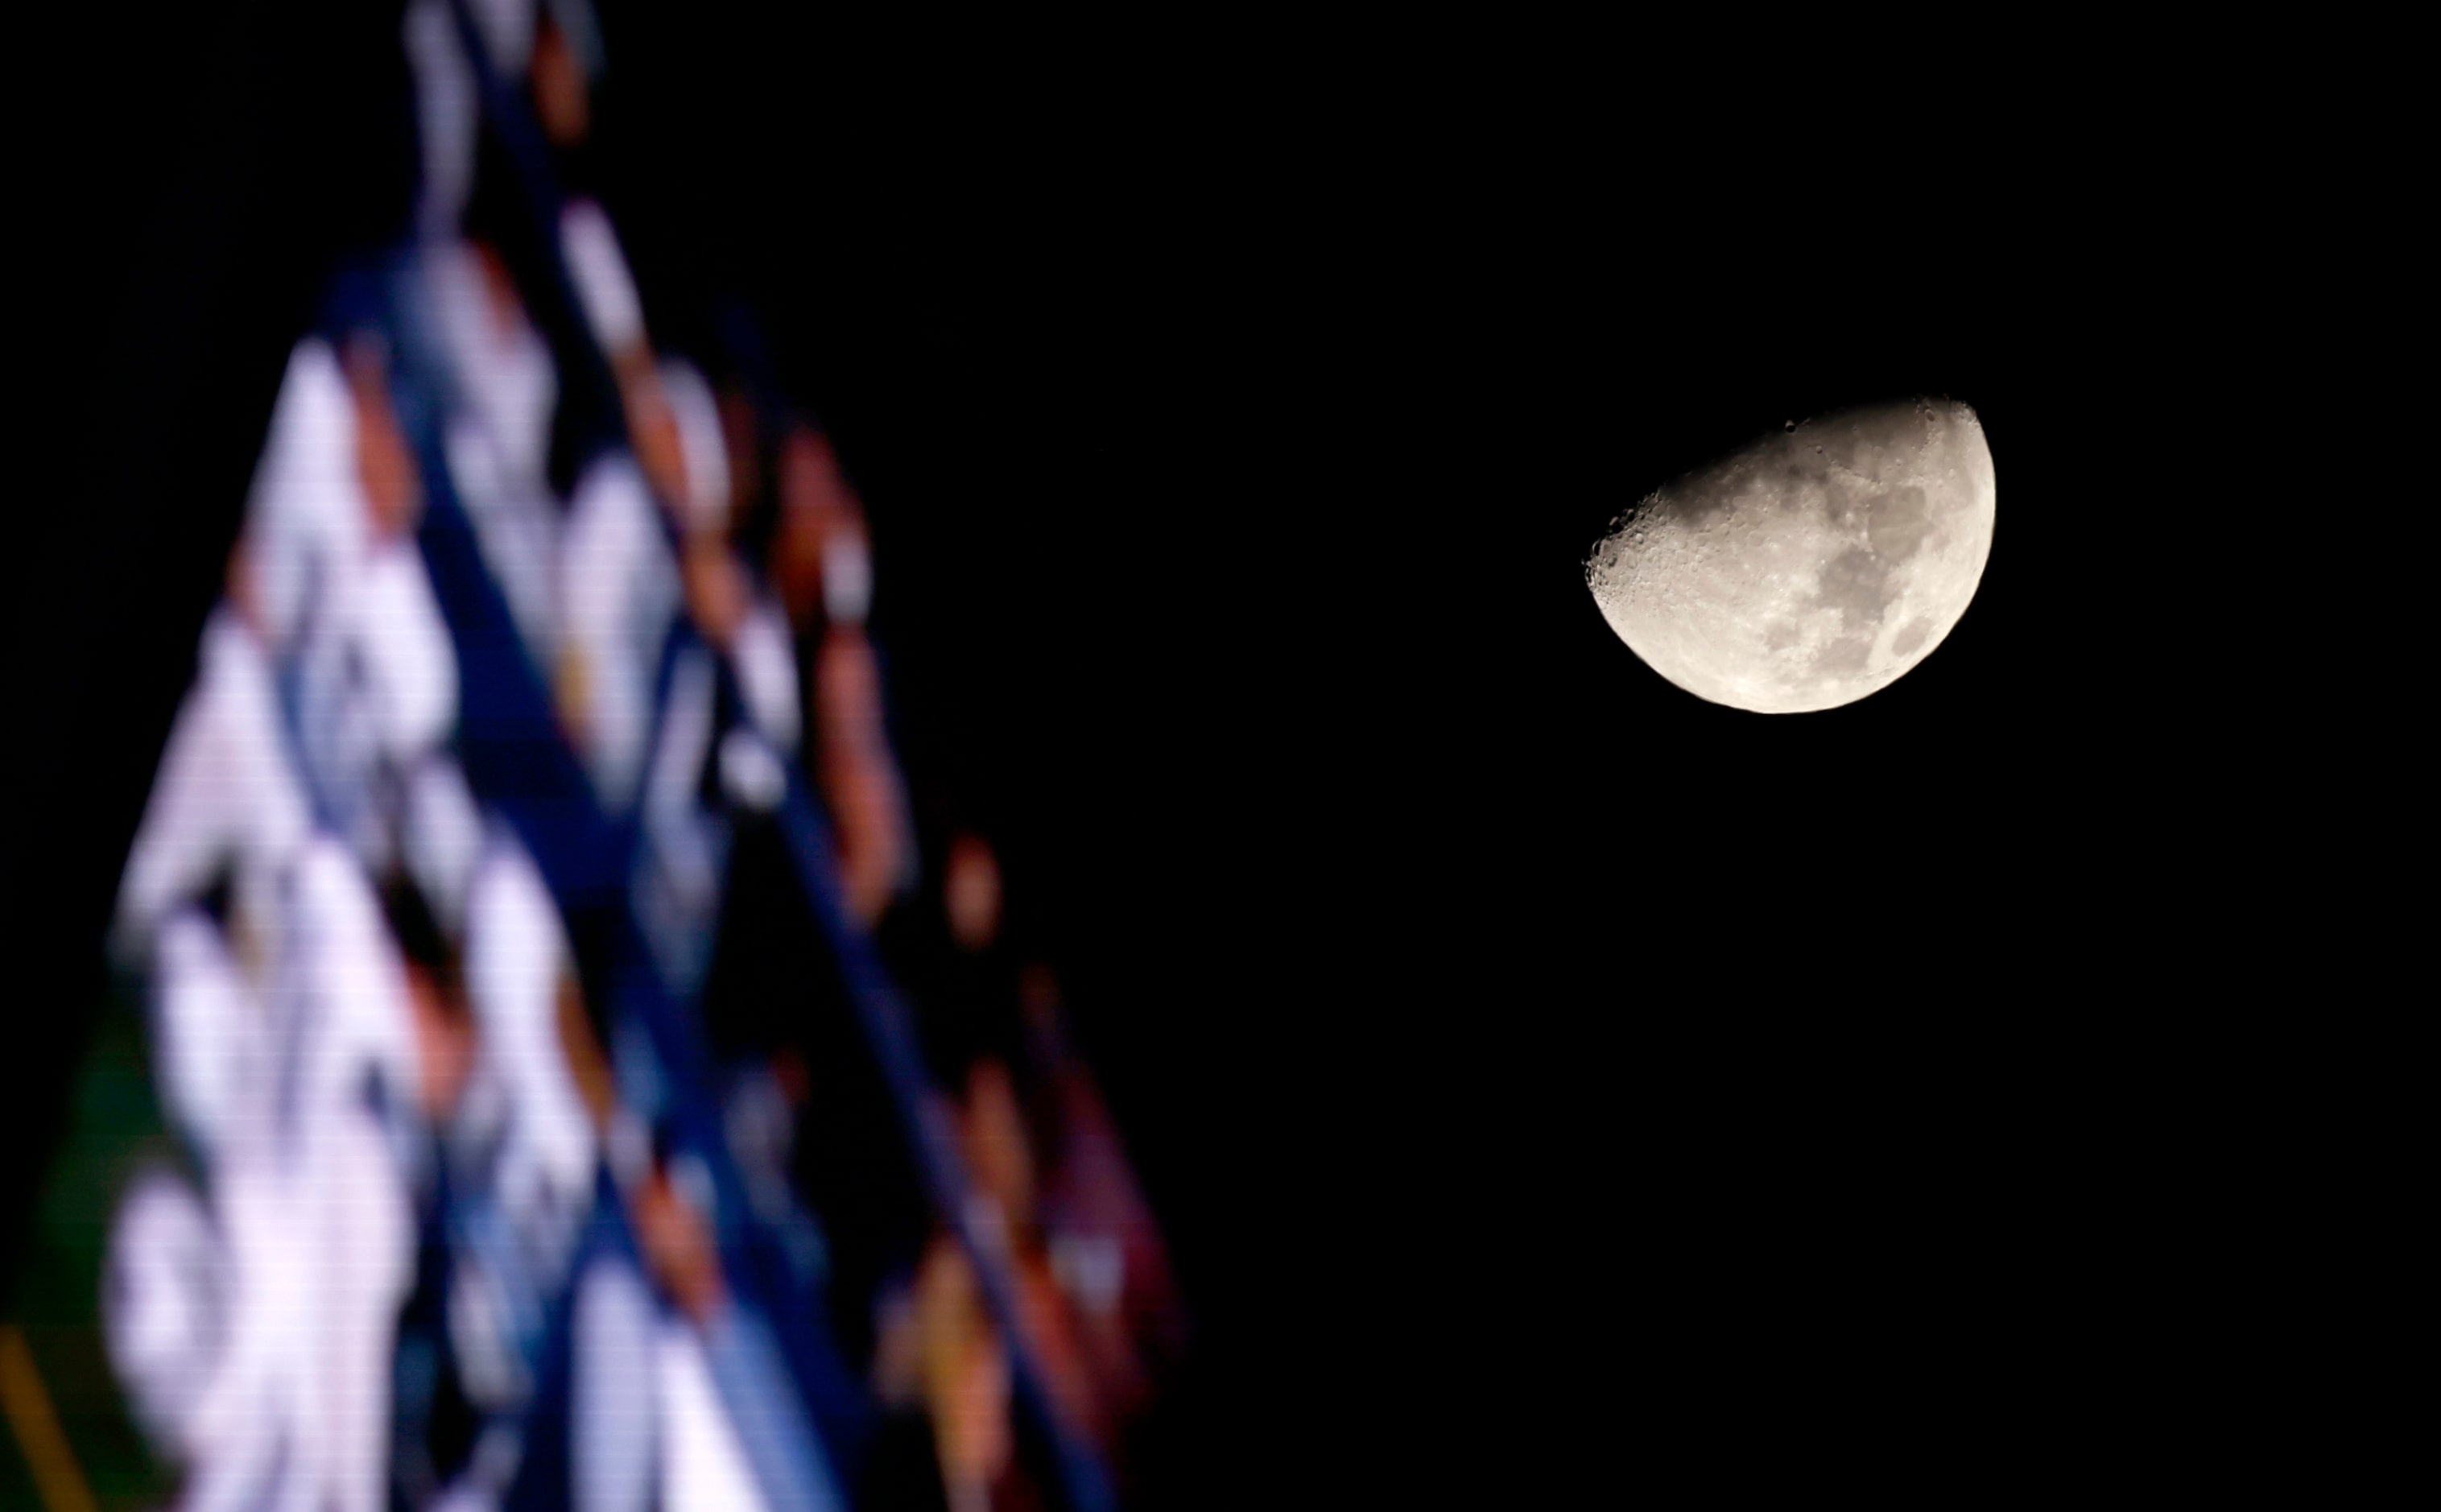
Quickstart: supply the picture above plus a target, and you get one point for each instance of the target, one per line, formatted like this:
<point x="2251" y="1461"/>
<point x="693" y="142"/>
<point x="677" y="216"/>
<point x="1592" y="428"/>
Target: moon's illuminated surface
<point x="1811" y="568"/>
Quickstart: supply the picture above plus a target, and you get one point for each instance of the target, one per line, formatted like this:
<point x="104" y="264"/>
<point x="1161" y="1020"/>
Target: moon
<point x="1810" y="568"/>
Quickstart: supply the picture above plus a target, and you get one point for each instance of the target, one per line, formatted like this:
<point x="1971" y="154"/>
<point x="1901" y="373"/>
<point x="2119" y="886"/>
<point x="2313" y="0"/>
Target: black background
<point x="1539" y="1071"/>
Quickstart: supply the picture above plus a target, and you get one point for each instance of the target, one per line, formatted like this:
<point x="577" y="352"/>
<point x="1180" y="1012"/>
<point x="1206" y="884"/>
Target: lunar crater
<point x="1771" y="579"/>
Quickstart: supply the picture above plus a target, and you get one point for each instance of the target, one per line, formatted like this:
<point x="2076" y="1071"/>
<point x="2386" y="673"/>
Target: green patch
<point x="114" y="1129"/>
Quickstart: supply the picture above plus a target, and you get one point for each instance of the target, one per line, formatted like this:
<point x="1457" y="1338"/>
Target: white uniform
<point x="703" y="450"/>
<point x="248" y="1441"/>
<point x="497" y="436"/>
<point x="164" y="1302"/>
<point x="611" y="1407"/>
<point x="646" y="1414"/>
<point x="350" y="1027"/>
<point x="763" y="654"/>
<point x="365" y="1251"/>
<point x="515" y="957"/>
<point x="225" y="793"/>
<point x="352" y="613"/>
<point x="765" y="658"/>
<point x="306" y="514"/>
<point x="201" y="1306"/>
<point x="243" y="1436"/>
<point x="339" y="1206"/>
<point x="604" y="289"/>
<point x="314" y="1223"/>
<point x="448" y="104"/>
<point x="377" y="688"/>
<point x="209" y="1049"/>
<point x="620" y="595"/>
<point x="703" y="1464"/>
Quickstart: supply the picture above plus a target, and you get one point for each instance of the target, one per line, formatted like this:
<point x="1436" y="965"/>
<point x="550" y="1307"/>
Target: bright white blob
<point x="1811" y="568"/>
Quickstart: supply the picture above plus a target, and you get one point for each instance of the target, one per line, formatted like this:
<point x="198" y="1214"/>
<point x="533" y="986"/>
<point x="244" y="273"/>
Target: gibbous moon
<point x="1810" y="568"/>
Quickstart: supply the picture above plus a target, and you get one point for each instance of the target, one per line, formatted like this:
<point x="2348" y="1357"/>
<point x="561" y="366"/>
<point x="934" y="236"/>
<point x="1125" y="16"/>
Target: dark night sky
<point x="1236" y="406"/>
